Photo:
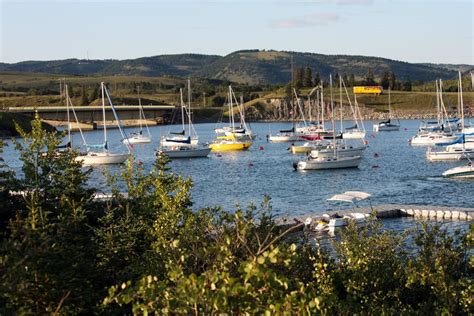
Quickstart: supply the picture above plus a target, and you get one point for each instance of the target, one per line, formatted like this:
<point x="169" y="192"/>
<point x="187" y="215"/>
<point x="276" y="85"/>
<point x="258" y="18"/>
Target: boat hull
<point x="323" y="163"/>
<point x="283" y="138"/>
<point x="171" y="143"/>
<point x="186" y="152"/>
<point x="353" y="135"/>
<point x="93" y="159"/>
<point x="450" y="155"/>
<point x="386" y="128"/>
<point x="236" y="146"/>
<point x="428" y="140"/>
<point x="460" y="172"/>
<point x="137" y="140"/>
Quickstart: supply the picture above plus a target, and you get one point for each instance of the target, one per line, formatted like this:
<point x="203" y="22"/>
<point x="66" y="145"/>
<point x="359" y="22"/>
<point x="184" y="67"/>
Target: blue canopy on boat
<point x="459" y="140"/>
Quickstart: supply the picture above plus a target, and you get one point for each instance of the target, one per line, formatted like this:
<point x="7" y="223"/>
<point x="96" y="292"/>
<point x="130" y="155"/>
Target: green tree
<point x="299" y="78"/>
<point x="369" y="79"/>
<point x="94" y="94"/>
<point x="84" y="100"/>
<point x="308" y="77"/>
<point x="352" y="81"/>
<point x="393" y="81"/>
<point x="385" y="80"/>
<point x="317" y="79"/>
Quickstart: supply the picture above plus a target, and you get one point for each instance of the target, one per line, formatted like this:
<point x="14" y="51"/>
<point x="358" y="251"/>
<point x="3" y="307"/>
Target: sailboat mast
<point x="68" y="118"/>
<point x="461" y="103"/>
<point x="340" y="98"/>
<point x="182" y="107"/>
<point x="322" y="104"/>
<point x="139" y="108"/>
<point x="437" y="104"/>
<point x="103" y="114"/>
<point x="332" y="117"/>
<point x="189" y="107"/>
<point x="389" y="105"/>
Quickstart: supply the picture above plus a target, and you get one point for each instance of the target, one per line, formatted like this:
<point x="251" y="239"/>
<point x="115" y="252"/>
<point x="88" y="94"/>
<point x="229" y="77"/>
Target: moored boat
<point x="460" y="172"/>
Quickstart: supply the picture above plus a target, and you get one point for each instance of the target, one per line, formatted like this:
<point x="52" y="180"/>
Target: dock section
<point x="394" y="210"/>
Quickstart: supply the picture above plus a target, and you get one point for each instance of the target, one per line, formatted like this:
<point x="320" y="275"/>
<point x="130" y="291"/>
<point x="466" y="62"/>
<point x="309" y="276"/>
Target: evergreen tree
<point x="94" y="95"/>
<point x="393" y="81"/>
<point x="352" y="81"/>
<point x="385" y="80"/>
<point x="369" y="79"/>
<point x="317" y="79"/>
<point x="308" y="77"/>
<point x="299" y="78"/>
<point x="84" y="100"/>
<point x="345" y="79"/>
<point x="407" y="85"/>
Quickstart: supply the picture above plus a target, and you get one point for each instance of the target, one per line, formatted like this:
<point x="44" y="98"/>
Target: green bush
<point x="148" y="252"/>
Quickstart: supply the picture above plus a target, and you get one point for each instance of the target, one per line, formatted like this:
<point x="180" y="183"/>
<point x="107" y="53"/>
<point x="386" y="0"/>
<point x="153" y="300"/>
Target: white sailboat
<point x="138" y="137"/>
<point x="191" y="149"/>
<point x="182" y="139"/>
<point x="357" y="131"/>
<point x="93" y="157"/>
<point x="436" y="133"/>
<point x="387" y="126"/>
<point x="331" y="161"/>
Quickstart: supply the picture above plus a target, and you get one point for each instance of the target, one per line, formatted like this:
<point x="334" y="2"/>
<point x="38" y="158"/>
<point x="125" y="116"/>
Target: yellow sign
<point x="368" y="90"/>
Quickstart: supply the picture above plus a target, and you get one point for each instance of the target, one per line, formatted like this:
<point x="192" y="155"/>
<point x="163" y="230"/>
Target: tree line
<point x="303" y="78"/>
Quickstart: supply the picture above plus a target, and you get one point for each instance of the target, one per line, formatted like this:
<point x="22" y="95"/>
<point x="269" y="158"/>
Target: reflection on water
<point x="391" y="170"/>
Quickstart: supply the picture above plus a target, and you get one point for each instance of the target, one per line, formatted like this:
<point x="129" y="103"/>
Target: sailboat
<point x="387" y="125"/>
<point x="331" y="160"/>
<point x="436" y="133"/>
<point x="357" y="131"/>
<point x="138" y="137"/>
<point x="190" y="150"/>
<point x="461" y="148"/>
<point x="94" y="157"/>
<point x="181" y="139"/>
<point x="231" y="142"/>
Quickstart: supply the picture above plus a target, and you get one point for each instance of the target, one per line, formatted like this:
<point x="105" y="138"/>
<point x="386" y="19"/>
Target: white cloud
<point x="310" y="20"/>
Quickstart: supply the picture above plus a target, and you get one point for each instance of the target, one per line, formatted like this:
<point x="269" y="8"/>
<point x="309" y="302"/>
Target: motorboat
<point x="460" y="172"/>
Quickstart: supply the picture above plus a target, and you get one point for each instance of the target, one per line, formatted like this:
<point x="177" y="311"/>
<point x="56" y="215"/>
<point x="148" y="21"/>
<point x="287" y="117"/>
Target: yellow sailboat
<point x="232" y="142"/>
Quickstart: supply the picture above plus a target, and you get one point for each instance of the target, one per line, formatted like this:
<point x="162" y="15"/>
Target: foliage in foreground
<point x="64" y="252"/>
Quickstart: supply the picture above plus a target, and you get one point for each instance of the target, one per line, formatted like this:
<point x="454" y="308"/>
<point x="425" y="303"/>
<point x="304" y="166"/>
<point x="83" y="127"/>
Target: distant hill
<point x="249" y="66"/>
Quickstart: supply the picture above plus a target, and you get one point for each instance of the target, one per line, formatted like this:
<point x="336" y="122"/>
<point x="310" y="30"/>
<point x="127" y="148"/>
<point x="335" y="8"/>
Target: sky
<point x="411" y="30"/>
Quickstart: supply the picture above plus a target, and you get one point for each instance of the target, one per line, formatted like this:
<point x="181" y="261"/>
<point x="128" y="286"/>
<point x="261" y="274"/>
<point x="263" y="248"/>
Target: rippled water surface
<point x="398" y="173"/>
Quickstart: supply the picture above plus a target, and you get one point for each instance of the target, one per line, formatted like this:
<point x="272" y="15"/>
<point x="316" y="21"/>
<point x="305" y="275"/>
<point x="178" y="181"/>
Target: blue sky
<point x="413" y="31"/>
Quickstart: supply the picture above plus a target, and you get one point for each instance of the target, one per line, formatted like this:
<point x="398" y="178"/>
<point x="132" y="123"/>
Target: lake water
<point x="391" y="170"/>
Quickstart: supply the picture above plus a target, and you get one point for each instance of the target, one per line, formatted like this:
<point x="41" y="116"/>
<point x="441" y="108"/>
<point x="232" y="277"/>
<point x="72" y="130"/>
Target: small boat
<point x="332" y="222"/>
<point x="460" y="172"/>
<point x="138" y="137"/>
<point x="328" y="163"/>
<point x="353" y="134"/>
<point x="387" y="125"/>
<point x="184" y="152"/>
<point x="283" y="137"/>
<point x="457" y="150"/>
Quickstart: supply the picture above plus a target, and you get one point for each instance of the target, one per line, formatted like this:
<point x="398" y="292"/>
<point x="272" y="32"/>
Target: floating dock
<point x="394" y="210"/>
